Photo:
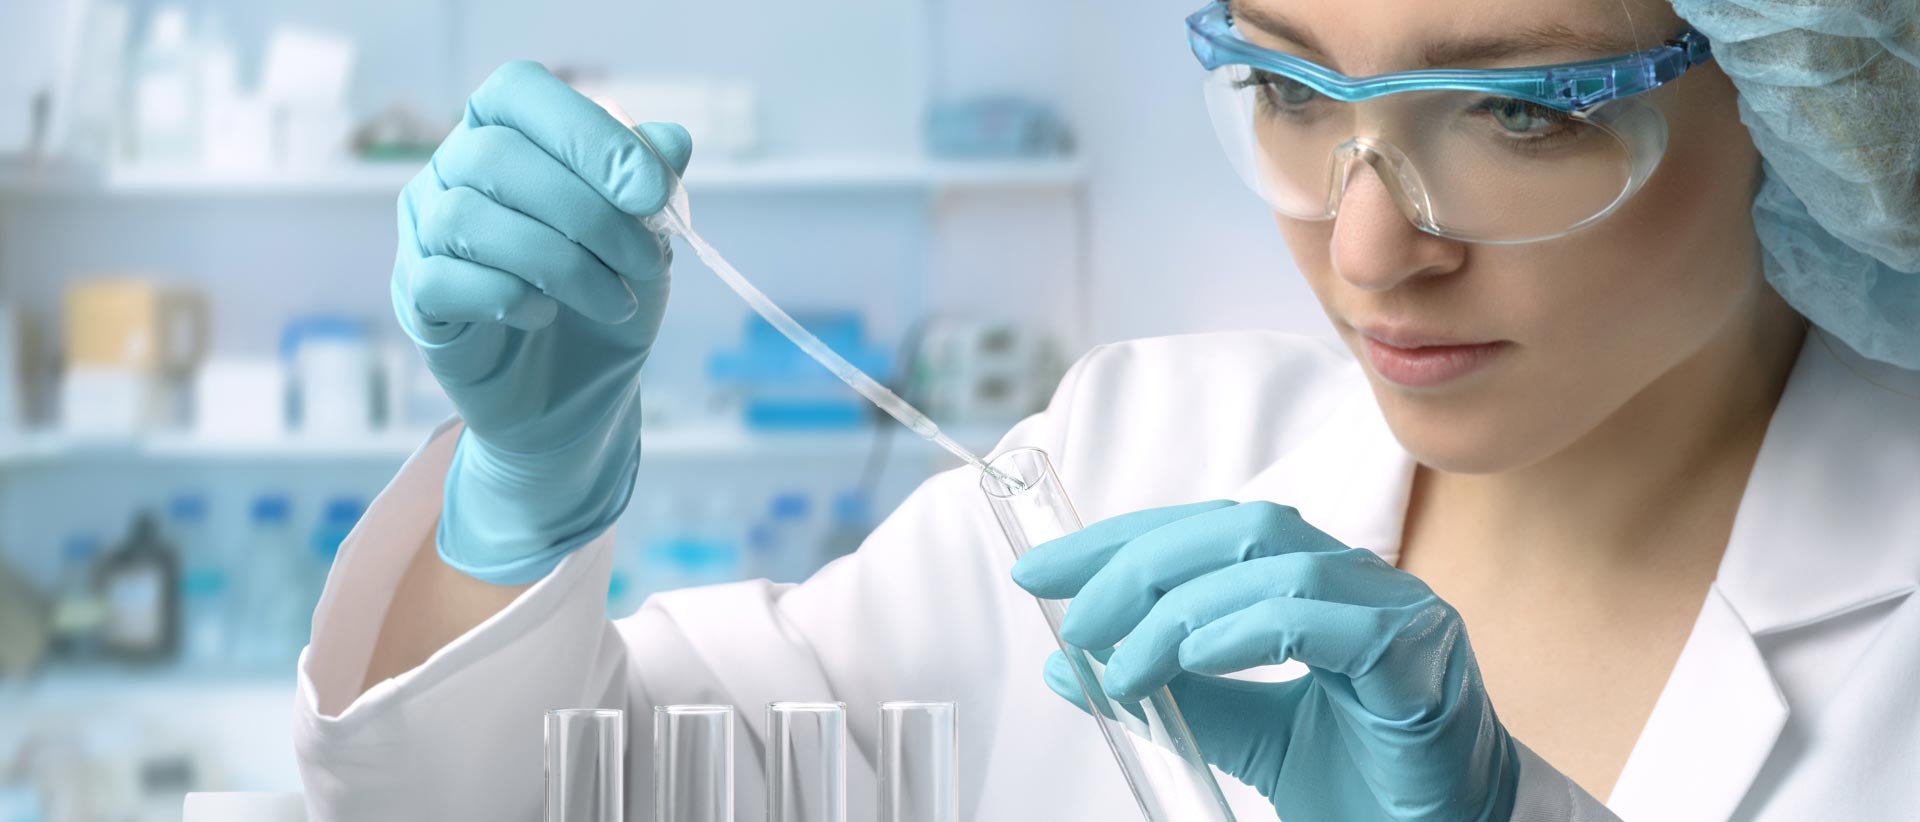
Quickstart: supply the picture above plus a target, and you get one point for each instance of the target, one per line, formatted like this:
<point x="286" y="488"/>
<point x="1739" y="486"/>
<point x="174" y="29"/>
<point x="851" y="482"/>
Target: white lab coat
<point x="1793" y="699"/>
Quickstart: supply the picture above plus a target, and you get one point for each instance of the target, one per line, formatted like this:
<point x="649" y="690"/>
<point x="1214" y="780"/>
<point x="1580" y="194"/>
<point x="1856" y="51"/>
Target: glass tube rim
<point x="1002" y="463"/>
<point x="598" y="713"/>
<point x="915" y="704"/>
<point x="692" y="710"/>
<point x="807" y="707"/>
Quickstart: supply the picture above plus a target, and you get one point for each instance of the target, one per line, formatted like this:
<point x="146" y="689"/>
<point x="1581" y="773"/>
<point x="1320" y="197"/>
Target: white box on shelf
<point x="109" y="403"/>
<point x="240" y="398"/>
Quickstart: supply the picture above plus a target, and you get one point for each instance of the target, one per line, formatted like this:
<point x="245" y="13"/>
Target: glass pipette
<point x="676" y="219"/>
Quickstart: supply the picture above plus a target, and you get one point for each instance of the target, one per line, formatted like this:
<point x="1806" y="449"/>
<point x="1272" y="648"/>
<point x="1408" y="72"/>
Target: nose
<point x="1374" y="247"/>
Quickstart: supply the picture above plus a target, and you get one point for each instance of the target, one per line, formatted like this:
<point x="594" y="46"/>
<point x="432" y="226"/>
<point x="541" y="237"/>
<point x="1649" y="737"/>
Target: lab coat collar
<point x="1828" y="521"/>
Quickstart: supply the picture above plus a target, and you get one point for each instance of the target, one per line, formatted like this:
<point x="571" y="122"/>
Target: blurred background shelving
<point x="965" y="196"/>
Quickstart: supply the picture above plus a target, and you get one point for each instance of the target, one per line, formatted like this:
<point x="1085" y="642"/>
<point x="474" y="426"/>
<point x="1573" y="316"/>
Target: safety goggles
<point x="1506" y="155"/>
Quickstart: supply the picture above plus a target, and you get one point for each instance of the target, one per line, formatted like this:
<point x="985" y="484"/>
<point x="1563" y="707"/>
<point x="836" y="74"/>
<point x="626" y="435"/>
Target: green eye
<point x="1523" y="118"/>
<point x="1291" y="92"/>
<point x="1278" y="90"/>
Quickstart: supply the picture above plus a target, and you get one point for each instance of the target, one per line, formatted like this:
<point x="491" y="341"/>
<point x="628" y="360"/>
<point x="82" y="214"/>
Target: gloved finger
<point x="466" y="224"/>
<point x="1333" y="636"/>
<point x="508" y="167"/>
<point x="1244" y="728"/>
<point x="1122" y="592"/>
<point x="1056" y="569"/>
<point x="526" y="97"/>
<point x="1150" y="654"/>
<point x="1063" y="679"/>
<point x="449" y="290"/>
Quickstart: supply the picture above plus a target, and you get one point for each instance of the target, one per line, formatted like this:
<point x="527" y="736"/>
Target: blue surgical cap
<point x="1830" y="90"/>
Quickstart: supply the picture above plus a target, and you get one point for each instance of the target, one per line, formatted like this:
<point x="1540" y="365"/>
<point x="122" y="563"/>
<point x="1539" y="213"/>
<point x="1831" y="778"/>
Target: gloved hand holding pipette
<point x="534" y="294"/>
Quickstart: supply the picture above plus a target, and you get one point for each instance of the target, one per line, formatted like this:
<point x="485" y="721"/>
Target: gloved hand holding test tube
<point x="1149" y="739"/>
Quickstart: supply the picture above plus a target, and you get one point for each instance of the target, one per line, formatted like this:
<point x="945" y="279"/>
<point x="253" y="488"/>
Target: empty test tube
<point x="1149" y="739"/>
<point x="919" y="762"/>
<point x="693" y="763"/>
<point x="586" y="765"/>
<point x="807" y="762"/>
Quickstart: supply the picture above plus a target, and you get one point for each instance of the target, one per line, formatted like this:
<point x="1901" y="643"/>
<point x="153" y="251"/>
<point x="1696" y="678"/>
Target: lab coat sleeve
<point x="458" y="737"/>
<point x="1546" y="795"/>
<point x="921" y="611"/>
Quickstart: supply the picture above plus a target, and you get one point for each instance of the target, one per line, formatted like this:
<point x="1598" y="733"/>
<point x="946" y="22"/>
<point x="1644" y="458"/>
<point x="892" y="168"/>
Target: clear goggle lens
<point x="1463" y="164"/>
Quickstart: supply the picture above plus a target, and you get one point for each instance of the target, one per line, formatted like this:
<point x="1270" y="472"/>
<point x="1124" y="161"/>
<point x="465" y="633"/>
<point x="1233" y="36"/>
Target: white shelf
<point x="704" y="443"/>
<point x="386" y="179"/>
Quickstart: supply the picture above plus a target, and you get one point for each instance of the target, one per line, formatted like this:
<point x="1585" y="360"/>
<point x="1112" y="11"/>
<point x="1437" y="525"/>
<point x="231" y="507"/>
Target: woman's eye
<point x="1522" y="118"/>
<point x="1291" y="92"/>
<point x="1280" y="91"/>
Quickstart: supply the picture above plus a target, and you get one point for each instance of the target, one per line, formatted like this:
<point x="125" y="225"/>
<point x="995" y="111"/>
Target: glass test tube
<point x="1150" y="739"/>
<point x="807" y="762"/>
<point x="693" y="763"/>
<point x="586" y="765"/>
<point x="919" y="762"/>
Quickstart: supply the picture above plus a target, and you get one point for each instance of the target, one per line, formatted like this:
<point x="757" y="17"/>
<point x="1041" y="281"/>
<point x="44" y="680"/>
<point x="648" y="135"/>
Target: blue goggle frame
<point x="1562" y="86"/>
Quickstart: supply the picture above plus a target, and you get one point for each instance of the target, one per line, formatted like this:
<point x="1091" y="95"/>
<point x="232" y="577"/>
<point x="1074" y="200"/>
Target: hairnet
<point x="1830" y="90"/>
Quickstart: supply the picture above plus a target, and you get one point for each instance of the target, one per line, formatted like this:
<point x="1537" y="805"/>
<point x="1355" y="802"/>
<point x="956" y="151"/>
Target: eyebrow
<point x="1526" y="39"/>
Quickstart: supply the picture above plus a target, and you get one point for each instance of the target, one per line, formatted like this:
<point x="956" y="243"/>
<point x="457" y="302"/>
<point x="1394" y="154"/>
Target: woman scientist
<point x="1631" y="400"/>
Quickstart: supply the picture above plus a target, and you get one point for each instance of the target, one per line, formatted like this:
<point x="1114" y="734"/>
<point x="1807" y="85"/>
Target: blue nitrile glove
<point x="1391" y="721"/>
<point x="535" y="295"/>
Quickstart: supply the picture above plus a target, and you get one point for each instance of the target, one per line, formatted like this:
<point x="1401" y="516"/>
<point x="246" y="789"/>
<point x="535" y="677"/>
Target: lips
<point x="1416" y="359"/>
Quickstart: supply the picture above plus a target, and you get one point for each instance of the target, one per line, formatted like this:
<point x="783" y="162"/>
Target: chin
<point x="1483" y="434"/>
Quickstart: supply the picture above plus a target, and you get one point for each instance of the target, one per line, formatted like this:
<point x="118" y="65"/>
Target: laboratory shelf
<point x="828" y="173"/>
<point x="713" y="443"/>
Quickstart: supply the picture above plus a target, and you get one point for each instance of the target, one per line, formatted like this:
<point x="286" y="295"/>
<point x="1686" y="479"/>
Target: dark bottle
<point x="139" y="587"/>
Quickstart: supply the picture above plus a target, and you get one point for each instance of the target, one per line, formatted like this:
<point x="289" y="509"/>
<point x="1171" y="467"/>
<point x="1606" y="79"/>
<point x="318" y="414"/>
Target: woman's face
<point x="1579" y="325"/>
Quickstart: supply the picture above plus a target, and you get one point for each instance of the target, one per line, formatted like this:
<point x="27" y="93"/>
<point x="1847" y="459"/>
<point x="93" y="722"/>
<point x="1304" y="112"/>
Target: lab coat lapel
<point x="1824" y="528"/>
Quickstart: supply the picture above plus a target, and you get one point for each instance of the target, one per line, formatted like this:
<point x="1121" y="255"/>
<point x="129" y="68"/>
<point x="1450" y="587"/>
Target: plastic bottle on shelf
<point x="140" y="586"/>
<point x="715" y="544"/>
<point x="77" y="611"/>
<point x="793" y="543"/>
<point x="852" y="522"/>
<point x="337" y="519"/>
<point x="206" y="612"/>
<point x="270" y="612"/>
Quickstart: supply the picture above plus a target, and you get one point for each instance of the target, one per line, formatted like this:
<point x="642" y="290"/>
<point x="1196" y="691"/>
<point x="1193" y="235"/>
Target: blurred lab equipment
<point x="919" y="762"/>
<point x="77" y="609"/>
<point x="13" y="387"/>
<point x="676" y="219"/>
<point x="722" y="113"/>
<point x="985" y="372"/>
<point x="792" y="540"/>
<point x="996" y="127"/>
<point x="1150" y="739"/>
<point x="166" y="100"/>
<point x="693" y="763"/>
<point x="409" y="396"/>
<point x="244" y="807"/>
<point x="206" y="607"/>
<point x="689" y="543"/>
<point x="807" y="762"/>
<point x="586" y="765"/>
<point x="304" y="80"/>
<point x="25" y="627"/>
<point x="139" y="586"/>
<point x="331" y="363"/>
<point x="240" y="398"/>
<point x="271" y="615"/>
<point x="131" y="344"/>
<point x="337" y="519"/>
<point x="782" y="389"/>
<point x="849" y="526"/>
